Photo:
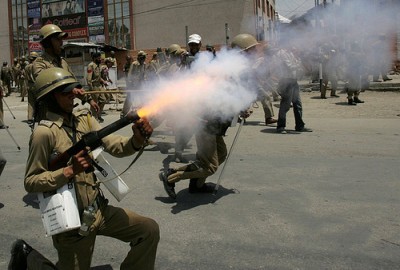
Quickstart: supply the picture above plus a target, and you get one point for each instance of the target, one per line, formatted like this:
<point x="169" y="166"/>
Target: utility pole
<point x="226" y="34"/>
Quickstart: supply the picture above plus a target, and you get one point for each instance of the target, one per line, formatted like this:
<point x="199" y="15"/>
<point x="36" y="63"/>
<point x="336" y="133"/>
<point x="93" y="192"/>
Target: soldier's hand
<point x="94" y="105"/>
<point x="79" y="163"/>
<point x="79" y="92"/>
<point x="142" y="130"/>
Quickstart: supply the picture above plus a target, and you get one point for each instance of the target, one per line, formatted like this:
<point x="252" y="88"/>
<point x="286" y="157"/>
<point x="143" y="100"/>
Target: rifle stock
<point x="91" y="140"/>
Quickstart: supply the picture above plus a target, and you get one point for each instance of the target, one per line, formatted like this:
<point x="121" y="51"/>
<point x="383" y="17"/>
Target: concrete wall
<point x="5" y="53"/>
<point x="158" y="25"/>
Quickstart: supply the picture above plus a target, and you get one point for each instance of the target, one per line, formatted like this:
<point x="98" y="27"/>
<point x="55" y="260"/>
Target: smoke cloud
<point x="212" y="86"/>
<point x="366" y="25"/>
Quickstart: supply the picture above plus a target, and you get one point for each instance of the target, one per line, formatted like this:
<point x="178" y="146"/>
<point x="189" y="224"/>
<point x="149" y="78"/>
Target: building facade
<point x="133" y="24"/>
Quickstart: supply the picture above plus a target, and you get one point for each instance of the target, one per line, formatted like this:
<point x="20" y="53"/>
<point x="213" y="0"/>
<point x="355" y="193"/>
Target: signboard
<point x="96" y="25"/>
<point x="95" y="8"/>
<point x="67" y="21"/>
<point x="34" y="12"/>
<point x="34" y="46"/>
<point x="51" y="8"/>
<point x="77" y="33"/>
<point x="33" y="4"/>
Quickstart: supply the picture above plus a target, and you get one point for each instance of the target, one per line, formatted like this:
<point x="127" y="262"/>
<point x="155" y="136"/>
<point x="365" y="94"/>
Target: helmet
<point x="244" y="41"/>
<point x="5" y="63"/>
<point x="179" y="52"/>
<point x="50" y="29"/>
<point x="141" y="53"/>
<point x="51" y="78"/>
<point x="108" y="60"/>
<point x="33" y="55"/>
<point x="15" y="59"/>
<point x="173" y="48"/>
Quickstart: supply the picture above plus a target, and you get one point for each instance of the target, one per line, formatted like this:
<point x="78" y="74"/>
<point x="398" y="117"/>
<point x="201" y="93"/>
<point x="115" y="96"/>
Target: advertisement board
<point x="52" y="8"/>
<point x="77" y="33"/>
<point x="67" y="21"/>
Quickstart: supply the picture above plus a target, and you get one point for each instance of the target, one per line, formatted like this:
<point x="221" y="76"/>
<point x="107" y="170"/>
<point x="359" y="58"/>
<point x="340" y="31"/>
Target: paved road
<point x="322" y="200"/>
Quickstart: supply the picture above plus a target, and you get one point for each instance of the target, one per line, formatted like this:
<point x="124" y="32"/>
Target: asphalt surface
<point x="322" y="200"/>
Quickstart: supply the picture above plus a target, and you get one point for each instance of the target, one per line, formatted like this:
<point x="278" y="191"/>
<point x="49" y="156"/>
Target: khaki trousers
<point x="211" y="152"/>
<point x="75" y="251"/>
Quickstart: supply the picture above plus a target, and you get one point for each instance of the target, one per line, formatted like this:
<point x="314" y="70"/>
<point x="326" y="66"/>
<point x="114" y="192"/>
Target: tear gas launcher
<point x="91" y="140"/>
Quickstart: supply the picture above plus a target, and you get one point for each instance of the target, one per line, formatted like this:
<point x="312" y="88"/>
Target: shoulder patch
<point x="46" y="123"/>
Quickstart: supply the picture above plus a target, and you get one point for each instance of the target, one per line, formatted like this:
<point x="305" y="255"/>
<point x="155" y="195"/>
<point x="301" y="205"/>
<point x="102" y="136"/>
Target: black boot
<point x="19" y="253"/>
<point x="168" y="187"/>
<point x="350" y="101"/>
<point x="357" y="100"/>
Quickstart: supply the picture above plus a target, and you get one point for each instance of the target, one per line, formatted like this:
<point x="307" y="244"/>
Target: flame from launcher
<point x="174" y="94"/>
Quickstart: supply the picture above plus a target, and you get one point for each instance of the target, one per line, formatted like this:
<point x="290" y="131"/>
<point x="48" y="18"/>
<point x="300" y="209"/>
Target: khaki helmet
<point x="50" y="29"/>
<point x="33" y="55"/>
<point x="141" y="53"/>
<point x="52" y="78"/>
<point x="244" y="41"/>
<point x="173" y="48"/>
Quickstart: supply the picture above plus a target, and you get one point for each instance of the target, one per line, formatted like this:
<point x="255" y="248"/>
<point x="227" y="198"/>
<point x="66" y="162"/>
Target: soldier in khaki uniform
<point x="136" y="78"/>
<point x="30" y="82"/>
<point x="6" y="78"/>
<point x="22" y="79"/>
<point x="55" y="135"/>
<point x="96" y="83"/>
<point x="211" y="148"/>
<point x="2" y="95"/>
<point x="16" y="69"/>
<point x="52" y="41"/>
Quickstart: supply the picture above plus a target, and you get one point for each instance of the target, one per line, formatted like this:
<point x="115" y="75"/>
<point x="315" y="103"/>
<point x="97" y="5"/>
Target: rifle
<point x="91" y="140"/>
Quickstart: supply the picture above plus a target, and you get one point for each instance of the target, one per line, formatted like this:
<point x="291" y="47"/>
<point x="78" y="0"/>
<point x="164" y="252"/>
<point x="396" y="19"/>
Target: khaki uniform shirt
<point x="137" y="74"/>
<point x="93" y="77"/>
<point x="46" y="61"/>
<point x="55" y="135"/>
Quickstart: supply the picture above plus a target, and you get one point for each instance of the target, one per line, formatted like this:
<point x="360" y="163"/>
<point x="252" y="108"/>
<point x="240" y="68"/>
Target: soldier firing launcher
<point x="92" y="140"/>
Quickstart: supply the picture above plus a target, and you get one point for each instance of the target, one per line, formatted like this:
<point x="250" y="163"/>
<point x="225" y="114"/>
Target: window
<point x="119" y="23"/>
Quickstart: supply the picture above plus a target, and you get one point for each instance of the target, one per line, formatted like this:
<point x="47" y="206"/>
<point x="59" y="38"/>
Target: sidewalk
<point x="393" y="85"/>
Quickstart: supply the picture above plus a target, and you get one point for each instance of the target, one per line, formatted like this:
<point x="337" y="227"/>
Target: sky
<point x="289" y="8"/>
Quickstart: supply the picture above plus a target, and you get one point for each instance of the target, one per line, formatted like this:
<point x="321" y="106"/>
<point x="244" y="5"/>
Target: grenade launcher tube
<point x="92" y="140"/>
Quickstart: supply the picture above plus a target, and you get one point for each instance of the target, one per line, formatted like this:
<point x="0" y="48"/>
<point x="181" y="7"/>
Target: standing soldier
<point x="52" y="41"/>
<point x="6" y="78"/>
<point x="260" y="78"/>
<point x="113" y="60"/>
<point x="30" y="82"/>
<point x="105" y="75"/>
<point x="136" y="78"/>
<point x="2" y="125"/>
<point x="126" y="68"/>
<point x="96" y="83"/>
<point x="16" y="68"/>
<point x="355" y="72"/>
<point x="22" y="78"/>
<point x="153" y="67"/>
